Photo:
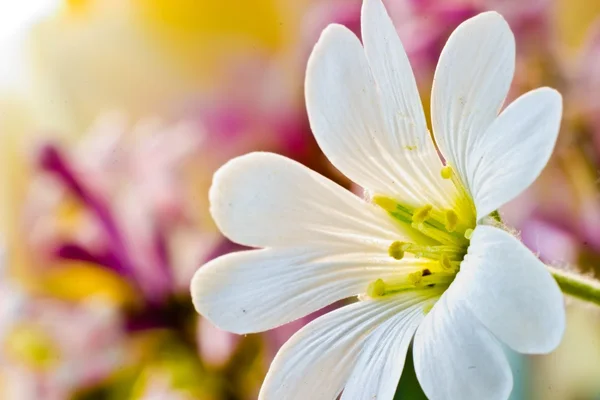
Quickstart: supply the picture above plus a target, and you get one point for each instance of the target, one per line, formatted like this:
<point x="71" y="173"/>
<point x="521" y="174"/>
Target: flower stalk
<point x="576" y="285"/>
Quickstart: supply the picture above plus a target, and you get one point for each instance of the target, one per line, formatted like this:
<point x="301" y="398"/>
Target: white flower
<point x="417" y="252"/>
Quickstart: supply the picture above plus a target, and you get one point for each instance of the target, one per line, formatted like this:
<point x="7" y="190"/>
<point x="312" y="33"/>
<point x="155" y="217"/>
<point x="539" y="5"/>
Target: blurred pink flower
<point x="584" y="87"/>
<point x="260" y="109"/>
<point x="551" y="242"/>
<point x="159" y="388"/>
<point x="323" y="13"/>
<point x="134" y="215"/>
<point x="49" y="348"/>
<point x="424" y="25"/>
<point x="215" y="345"/>
<point x="585" y="77"/>
<point x="130" y="190"/>
<point x="564" y="225"/>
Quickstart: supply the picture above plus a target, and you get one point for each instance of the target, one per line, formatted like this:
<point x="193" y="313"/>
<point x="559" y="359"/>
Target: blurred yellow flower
<point x="31" y="346"/>
<point x="574" y="17"/>
<point x="78" y="280"/>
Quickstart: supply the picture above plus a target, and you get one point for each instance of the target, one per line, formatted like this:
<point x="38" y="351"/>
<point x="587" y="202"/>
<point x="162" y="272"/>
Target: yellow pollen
<point x="468" y="234"/>
<point x="396" y="250"/>
<point x="451" y="220"/>
<point x="384" y="202"/>
<point x="376" y="289"/>
<point x="446" y="172"/>
<point x="421" y="214"/>
<point x="415" y="278"/>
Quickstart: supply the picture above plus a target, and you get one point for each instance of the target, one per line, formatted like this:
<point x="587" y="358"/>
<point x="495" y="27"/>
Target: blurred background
<point x="114" y="114"/>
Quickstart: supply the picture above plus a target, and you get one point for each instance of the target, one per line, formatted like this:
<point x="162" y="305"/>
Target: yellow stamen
<point x="468" y="234"/>
<point x="421" y="214"/>
<point x="386" y="203"/>
<point x="437" y="234"/>
<point x="396" y="250"/>
<point x="432" y="252"/>
<point x="451" y="220"/>
<point x="446" y="172"/>
<point x="432" y="279"/>
<point x="464" y="203"/>
<point x="445" y="262"/>
<point x="376" y="288"/>
<point x="415" y="278"/>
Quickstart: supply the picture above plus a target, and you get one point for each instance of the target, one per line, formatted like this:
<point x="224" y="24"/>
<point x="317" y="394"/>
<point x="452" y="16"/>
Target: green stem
<point x="576" y="285"/>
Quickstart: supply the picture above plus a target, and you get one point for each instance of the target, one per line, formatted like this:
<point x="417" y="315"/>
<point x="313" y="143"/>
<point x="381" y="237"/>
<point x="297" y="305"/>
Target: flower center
<point x="440" y="237"/>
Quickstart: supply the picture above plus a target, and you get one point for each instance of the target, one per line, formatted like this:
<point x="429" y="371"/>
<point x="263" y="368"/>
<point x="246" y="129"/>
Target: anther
<point x="451" y="220"/>
<point x="468" y="234"/>
<point x="446" y="172"/>
<point x="376" y="288"/>
<point x="421" y="214"/>
<point x="415" y="278"/>
<point x="445" y="262"/>
<point x="384" y="202"/>
<point x="396" y="250"/>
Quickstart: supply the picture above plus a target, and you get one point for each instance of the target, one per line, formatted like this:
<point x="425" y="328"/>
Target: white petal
<point x="457" y="358"/>
<point x="264" y="199"/>
<point x="394" y="76"/>
<point x="402" y="109"/>
<point x="471" y="81"/>
<point x="512" y="152"/>
<point x="511" y="292"/>
<point x="256" y="290"/>
<point x="381" y="361"/>
<point x="316" y="362"/>
<point x="345" y="113"/>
